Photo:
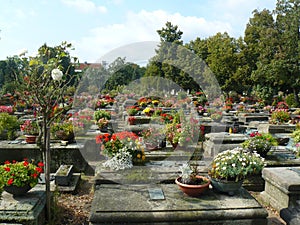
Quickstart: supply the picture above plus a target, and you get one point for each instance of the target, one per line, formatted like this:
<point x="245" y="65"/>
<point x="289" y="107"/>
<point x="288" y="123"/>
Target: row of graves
<point x="145" y="193"/>
<point x="138" y="187"/>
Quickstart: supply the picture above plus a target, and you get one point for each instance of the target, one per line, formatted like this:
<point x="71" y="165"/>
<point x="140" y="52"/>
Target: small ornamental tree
<point x="45" y="78"/>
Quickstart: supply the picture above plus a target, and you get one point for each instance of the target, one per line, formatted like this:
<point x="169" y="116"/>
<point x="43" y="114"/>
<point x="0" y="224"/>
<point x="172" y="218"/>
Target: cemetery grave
<point x="149" y="189"/>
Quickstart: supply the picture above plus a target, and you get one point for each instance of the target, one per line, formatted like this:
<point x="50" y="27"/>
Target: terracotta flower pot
<point x="30" y="139"/>
<point x="191" y="189"/>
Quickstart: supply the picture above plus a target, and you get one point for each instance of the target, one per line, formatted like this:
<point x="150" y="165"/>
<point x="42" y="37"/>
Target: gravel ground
<point x="74" y="209"/>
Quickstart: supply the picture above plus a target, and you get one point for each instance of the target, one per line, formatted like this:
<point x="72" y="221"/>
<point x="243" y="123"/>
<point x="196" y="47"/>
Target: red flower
<point x="34" y="175"/>
<point x="25" y="163"/>
<point x="39" y="169"/>
<point x="10" y="181"/>
<point x="7" y="169"/>
<point x="40" y="164"/>
<point x="7" y="162"/>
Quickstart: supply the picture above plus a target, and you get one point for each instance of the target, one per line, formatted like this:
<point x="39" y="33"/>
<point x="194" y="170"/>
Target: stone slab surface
<point x="282" y="187"/>
<point x="286" y="178"/>
<point x="27" y="209"/>
<point x="225" y="137"/>
<point x="132" y="204"/>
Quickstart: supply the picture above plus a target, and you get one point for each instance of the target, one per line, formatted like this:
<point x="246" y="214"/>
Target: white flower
<point x="233" y="164"/>
<point x="56" y="74"/>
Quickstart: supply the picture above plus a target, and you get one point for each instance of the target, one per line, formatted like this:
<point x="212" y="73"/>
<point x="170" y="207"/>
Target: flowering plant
<point x="120" y="145"/>
<point x="166" y="117"/>
<point x="132" y="110"/>
<point x="101" y="103"/>
<point x="280" y="116"/>
<point x="98" y="114"/>
<point x="103" y="122"/>
<point x="155" y="102"/>
<point x="235" y="165"/>
<point x="228" y="104"/>
<point x="20" y="173"/>
<point x="260" y="143"/>
<point x="201" y="109"/>
<point x="30" y="127"/>
<point x="152" y="135"/>
<point x="6" y="109"/>
<point x="131" y="120"/>
<point x="64" y="130"/>
<point x="183" y="133"/>
<point x="216" y="116"/>
<point x="148" y="111"/>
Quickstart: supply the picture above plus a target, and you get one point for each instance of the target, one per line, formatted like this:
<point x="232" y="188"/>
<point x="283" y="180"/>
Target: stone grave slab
<point x="291" y="215"/>
<point x="27" y="210"/>
<point x="282" y="186"/>
<point x="218" y="142"/>
<point x="249" y="117"/>
<point x="273" y="128"/>
<point x="131" y="204"/>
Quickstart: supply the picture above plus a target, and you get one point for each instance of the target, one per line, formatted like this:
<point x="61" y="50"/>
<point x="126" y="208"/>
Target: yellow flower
<point x="143" y="157"/>
<point x="147" y="110"/>
<point x="138" y="156"/>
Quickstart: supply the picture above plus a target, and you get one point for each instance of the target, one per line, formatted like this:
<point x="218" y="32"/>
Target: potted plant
<point x="31" y="130"/>
<point x="63" y="175"/>
<point x="123" y="148"/>
<point x="19" y="177"/>
<point x="183" y="134"/>
<point x="63" y="130"/>
<point x="101" y="103"/>
<point x="98" y="114"/>
<point x="131" y="120"/>
<point x="216" y="116"/>
<point x="148" y="111"/>
<point x="280" y="116"/>
<point x="132" y="110"/>
<point x="260" y="143"/>
<point x="153" y="138"/>
<point x="9" y="125"/>
<point x="229" y="168"/>
<point x="103" y="124"/>
<point x="190" y="182"/>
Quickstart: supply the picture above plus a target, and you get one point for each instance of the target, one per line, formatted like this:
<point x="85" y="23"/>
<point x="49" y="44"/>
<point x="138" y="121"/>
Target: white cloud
<point x="142" y="26"/>
<point x="85" y="6"/>
<point x="238" y="12"/>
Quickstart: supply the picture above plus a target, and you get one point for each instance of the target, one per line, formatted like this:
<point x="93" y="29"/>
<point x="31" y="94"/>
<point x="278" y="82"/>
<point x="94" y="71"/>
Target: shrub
<point x="10" y="124"/>
<point x="101" y="114"/>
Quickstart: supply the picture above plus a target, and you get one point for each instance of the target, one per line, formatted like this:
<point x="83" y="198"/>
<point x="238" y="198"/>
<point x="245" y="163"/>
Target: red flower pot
<point x="193" y="190"/>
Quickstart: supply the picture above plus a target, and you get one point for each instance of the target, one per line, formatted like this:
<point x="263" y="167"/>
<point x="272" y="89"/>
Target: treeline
<point x="262" y="63"/>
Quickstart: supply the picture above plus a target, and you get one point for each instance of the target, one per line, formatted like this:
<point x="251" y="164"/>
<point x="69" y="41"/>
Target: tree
<point x="286" y="62"/>
<point x="222" y="58"/>
<point x="43" y="84"/>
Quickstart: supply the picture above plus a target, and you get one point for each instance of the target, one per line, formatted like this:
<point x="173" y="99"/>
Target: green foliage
<point x="296" y="135"/>
<point x="10" y="124"/>
<point x="291" y="101"/>
<point x="98" y="114"/>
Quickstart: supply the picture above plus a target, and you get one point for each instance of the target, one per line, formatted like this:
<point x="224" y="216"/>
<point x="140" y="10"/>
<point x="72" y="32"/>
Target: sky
<point x="97" y="27"/>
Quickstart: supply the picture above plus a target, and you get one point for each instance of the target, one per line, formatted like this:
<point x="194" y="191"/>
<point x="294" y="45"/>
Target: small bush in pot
<point x="190" y="182"/>
<point x="229" y="168"/>
<point x="235" y="164"/>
